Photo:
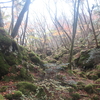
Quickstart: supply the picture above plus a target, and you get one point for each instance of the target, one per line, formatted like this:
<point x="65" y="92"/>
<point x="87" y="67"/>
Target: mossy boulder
<point x="3" y="88"/>
<point x="35" y="58"/>
<point x="8" y="52"/>
<point x="89" y="88"/>
<point x="5" y="42"/>
<point x="11" y="55"/>
<point x="40" y="92"/>
<point x="80" y="85"/>
<point x="15" y="95"/>
<point x="26" y="87"/>
<point x="4" y="67"/>
<point x="97" y="81"/>
<point x="87" y="59"/>
<point x="95" y="97"/>
<point x="92" y="75"/>
<point x="75" y="96"/>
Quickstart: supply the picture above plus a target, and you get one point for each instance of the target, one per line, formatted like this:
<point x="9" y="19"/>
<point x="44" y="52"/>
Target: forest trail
<point x="54" y="69"/>
<point x="54" y="76"/>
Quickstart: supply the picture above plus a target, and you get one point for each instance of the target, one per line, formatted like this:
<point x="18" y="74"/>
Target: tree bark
<point x="76" y="13"/>
<point x="90" y="15"/>
<point x="1" y="19"/>
<point x="20" y="18"/>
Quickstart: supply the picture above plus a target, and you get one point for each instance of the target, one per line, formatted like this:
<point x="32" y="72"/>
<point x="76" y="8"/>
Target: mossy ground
<point x="27" y="77"/>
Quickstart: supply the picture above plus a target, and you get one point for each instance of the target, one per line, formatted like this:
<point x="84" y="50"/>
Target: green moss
<point x="75" y="96"/>
<point x="5" y="41"/>
<point x="35" y="59"/>
<point x="70" y="72"/>
<point x="80" y="85"/>
<point x="74" y="86"/>
<point x="15" y="95"/>
<point x="40" y="92"/>
<point x="97" y="81"/>
<point x="52" y="61"/>
<point x="4" y="67"/>
<point x="60" y="54"/>
<point x="95" y="97"/>
<point x="11" y="59"/>
<point x="82" y="74"/>
<point x="60" y="77"/>
<point x="84" y="56"/>
<point x="98" y="67"/>
<point x="71" y="90"/>
<point x="24" y="75"/>
<point x="84" y="60"/>
<point x="1" y="97"/>
<point x="89" y="88"/>
<point x="98" y="74"/>
<point x="98" y="90"/>
<point x="92" y="76"/>
<point x="3" y="88"/>
<point x="26" y="87"/>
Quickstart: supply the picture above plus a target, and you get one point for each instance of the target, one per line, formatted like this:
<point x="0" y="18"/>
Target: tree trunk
<point x="76" y="13"/>
<point x="20" y="18"/>
<point x="1" y="19"/>
<point x="90" y="15"/>
<point x="25" y="27"/>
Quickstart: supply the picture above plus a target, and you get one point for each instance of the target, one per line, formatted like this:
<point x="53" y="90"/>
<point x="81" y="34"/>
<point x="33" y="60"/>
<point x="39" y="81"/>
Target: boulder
<point x="87" y="59"/>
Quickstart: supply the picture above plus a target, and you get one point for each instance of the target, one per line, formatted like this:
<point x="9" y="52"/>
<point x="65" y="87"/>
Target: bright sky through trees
<point x="40" y="8"/>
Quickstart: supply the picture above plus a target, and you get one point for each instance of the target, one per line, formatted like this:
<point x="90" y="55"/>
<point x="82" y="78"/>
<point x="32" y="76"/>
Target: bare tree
<point x="20" y="18"/>
<point x="93" y="29"/>
<point x="76" y="13"/>
<point x="1" y="19"/>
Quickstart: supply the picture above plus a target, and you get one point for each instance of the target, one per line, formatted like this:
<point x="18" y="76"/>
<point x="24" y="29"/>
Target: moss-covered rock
<point x="15" y="95"/>
<point x="92" y="75"/>
<point x="5" y="42"/>
<point x="97" y="81"/>
<point x="75" y="96"/>
<point x="12" y="56"/>
<point x="88" y="59"/>
<point x="3" y="88"/>
<point x="26" y="87"/>
<point x="4" y="67"/>
<point x="89" y="88"/>
<point x="80" y="85"/>
<point x="95" y="97"/>
<point x="98" y="66"/>
<point x="40" y="92"/>
<point x="35" y="58"/>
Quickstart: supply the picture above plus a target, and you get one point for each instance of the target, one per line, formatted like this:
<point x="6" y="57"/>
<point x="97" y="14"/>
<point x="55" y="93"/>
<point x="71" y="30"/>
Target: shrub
<point x="14" y="95"/>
